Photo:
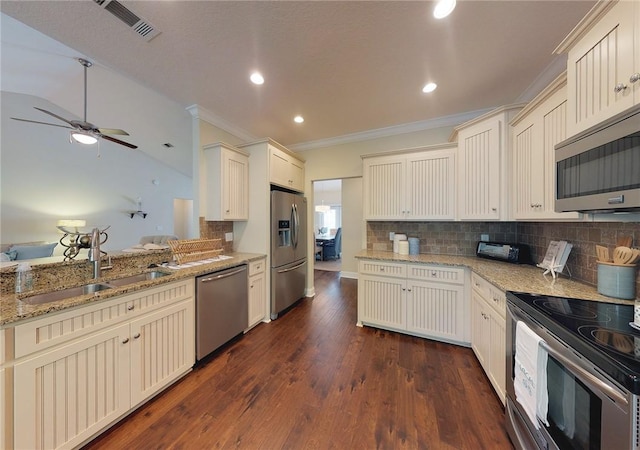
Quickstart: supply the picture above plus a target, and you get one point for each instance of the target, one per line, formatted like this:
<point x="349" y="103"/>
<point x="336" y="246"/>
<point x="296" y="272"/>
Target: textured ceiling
<point x="347" y="67"/>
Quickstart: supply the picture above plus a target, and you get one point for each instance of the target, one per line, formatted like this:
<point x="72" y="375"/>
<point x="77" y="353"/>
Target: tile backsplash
<point x="216" y="230"/>
<point x="460" y="238"/>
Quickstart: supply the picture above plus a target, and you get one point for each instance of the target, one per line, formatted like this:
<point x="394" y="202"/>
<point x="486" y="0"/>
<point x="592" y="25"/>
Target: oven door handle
<point x="611" y="391"/>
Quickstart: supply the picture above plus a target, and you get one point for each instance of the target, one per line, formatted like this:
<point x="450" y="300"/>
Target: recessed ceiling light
<point x="429" y="87"/>
<point x="256" y="78"/>
<point x="298" y="119"/>
<point x="444" y="8"/>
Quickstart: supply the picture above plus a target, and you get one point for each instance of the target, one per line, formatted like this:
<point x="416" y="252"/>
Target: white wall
<point x="352" y="225"/>
<point x="44" y="178"/>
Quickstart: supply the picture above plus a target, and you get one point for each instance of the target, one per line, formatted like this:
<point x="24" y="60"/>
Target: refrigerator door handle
<point x="294" y="225"/>
<point x="292" y="268"/>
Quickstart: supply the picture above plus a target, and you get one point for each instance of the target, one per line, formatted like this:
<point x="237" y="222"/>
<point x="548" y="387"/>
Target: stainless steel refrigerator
<point x="288" y="250"/>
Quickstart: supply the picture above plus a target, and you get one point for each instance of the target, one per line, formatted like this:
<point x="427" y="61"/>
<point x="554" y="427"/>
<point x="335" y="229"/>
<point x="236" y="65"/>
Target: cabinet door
<point x="600" y="60"/>
<point x="296" y="173"/>
<point x="430" y="186"/>
<point x="436" y="310"/>
<point x="384" y="188"/>
<point x="162" y="349"/>
<point x="479" y="330"/>
<point x="479" y="149"/>
<point x="529" y="174"/>
<point x="382" y="302"/>
<point x="235" y="186"/>
<point x="497" y="353"/>
<point x="257" y="298"/>
<point x="68" y="394"/>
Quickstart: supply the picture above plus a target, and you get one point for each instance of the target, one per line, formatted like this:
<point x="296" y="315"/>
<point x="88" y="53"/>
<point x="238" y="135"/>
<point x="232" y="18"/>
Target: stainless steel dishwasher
<point x="221" y="308"/>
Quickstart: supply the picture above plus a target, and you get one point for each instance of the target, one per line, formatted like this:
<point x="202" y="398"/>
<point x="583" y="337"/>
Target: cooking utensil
<point x="623" y="255"/>
<point x="603" y="253"/>
<point x="624" y="241"/>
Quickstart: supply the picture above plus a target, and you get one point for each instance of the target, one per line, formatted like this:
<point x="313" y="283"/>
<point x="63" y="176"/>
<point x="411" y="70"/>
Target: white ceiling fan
<point x="83" y="131"/>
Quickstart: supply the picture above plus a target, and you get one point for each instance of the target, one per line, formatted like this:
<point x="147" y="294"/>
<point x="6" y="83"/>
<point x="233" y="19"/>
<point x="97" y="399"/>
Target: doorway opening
<point x="327" y="224"/>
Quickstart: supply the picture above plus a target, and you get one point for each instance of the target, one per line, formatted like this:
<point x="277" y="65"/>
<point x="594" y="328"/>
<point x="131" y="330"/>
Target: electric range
<point x="598" y="331"/>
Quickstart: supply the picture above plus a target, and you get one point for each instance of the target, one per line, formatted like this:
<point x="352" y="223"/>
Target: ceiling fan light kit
<point x="83" y="138"/>
<point x="82" y="131"/>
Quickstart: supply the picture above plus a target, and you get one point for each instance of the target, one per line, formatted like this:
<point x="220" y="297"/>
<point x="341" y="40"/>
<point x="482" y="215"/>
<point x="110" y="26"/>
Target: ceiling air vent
<point x="140" y="26"/>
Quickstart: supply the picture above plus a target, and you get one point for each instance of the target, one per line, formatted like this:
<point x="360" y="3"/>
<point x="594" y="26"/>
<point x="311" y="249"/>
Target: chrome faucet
<point x="94" y="253"/>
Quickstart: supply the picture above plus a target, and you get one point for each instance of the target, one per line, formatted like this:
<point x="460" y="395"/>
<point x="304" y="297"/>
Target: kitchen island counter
<point x="13" y="311"/>
<point x="506" y="276"/>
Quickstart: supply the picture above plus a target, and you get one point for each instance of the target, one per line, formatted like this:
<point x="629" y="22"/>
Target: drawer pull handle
<point x="434" y="273"/>
<point x="381" y="269"/>
<point x="619" y="88"/>
<point x="125" y="340"/>
<point x="130" y="307"/>
<point x="136" y="336"/>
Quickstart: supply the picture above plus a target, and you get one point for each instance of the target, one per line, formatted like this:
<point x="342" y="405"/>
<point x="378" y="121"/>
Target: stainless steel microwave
<point x="598" y="170"/>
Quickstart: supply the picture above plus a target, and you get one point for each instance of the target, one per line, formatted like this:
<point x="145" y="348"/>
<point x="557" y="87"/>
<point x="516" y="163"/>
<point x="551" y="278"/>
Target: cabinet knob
<point x="136" y="336"/>
<point x="494" y="209"/>
<point x="130" y="307"/>
<point x="125" y="340"/>
<point x="434" y="273"/>
<point x="251" y="287"/>
<point x="381" y="269"/>
<point x="634" y="78"/>
<point x="619" y="88"/>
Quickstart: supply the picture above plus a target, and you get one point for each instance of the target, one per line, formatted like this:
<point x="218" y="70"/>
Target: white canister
<point x="397" y="238"/>
<point x="403" y="247"/>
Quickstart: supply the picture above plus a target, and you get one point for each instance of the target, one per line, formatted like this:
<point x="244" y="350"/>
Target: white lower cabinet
<point x="68" y="394"/>
<point x="257" y="292"/>
<point x="421" y="300"/>
<point x="488" y="331"/>
<point x="65" y="394"/>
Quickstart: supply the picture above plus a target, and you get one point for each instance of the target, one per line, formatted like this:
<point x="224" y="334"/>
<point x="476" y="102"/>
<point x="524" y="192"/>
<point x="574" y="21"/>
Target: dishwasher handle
<point x="222" y="275"/>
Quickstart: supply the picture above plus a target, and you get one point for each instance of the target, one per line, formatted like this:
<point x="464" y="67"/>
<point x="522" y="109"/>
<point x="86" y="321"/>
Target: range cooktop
<point x="599" y="331"/>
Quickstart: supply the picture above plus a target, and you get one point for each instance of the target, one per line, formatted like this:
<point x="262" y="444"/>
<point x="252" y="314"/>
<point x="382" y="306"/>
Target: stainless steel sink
<point x="137" y="278"/>
<point x="65" y="293"/>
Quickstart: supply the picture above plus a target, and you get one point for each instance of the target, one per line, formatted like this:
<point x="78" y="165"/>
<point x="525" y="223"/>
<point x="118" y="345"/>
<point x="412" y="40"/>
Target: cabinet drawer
<point x="442" y="274"/>
<point x="55" y="329"/>
<point x="382" y="268"/>
<point x="493" y="296"/>
<point x="256" y="267"/>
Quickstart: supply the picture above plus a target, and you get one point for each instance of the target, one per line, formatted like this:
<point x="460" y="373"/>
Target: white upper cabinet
<point x="227" y="182"/>
<point x="419" y="185"/>
<point x="603" y="66"/>
<point x="483" y="162"/>
<point x="285" y="170"/>
<point x="536" y="131"/>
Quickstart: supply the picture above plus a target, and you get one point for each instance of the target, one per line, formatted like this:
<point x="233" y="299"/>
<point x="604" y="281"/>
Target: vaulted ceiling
<point x="348" y="67"/>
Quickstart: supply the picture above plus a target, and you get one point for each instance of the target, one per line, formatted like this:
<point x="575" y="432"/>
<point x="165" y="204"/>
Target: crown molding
<point x="546" y="77"/>
<point x="445" y="121"/>
<point x="198" y="112"/>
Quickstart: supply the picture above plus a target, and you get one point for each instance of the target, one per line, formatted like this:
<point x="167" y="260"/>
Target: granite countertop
<point x="12" y="311"/>
<point x="506" y="276"/>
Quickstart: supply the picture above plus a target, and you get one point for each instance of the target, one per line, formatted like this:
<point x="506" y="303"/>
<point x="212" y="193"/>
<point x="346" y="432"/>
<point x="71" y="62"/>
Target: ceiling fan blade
<point x="112" y="131"/>
<point x="54" y="115"/>
<point x="118" y="141"/>
<point x="42" y="123"/>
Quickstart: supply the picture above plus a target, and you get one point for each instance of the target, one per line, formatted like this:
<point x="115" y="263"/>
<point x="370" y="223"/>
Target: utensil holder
<point x="617" y="281"/>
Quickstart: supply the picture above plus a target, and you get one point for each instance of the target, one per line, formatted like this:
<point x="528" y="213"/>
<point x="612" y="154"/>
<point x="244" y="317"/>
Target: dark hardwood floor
<point x="313" y="380"/>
